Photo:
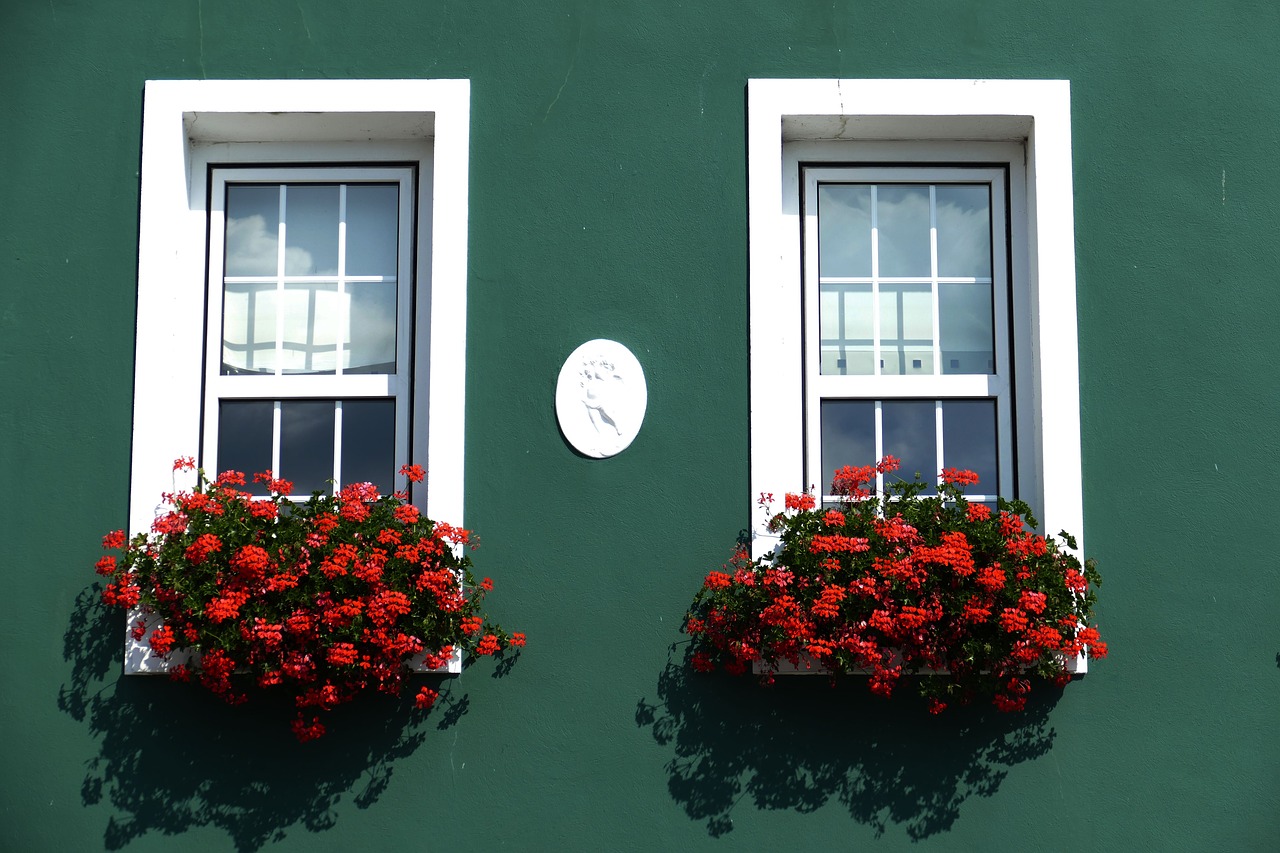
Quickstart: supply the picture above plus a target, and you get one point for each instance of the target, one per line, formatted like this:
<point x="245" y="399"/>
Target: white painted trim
<point x="878" y="116"/>
<point x="188" y="124"/>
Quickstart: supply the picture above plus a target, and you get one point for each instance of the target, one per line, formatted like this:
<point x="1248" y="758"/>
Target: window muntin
<point x="906" y="300"/>
<point x="309" y="332"/>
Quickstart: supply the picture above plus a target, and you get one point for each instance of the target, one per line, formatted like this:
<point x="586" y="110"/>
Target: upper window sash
<point x="335" y="384"/>
<point x="878" y="383"/>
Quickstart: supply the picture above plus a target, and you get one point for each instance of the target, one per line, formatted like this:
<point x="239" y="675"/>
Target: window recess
<point x="877" y="348"/>
<point x="854" y="356"/>
<point x="295" y="313"/>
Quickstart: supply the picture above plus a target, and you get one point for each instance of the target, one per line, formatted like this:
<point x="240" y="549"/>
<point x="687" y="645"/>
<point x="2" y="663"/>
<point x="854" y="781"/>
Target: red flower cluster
<point x="904" y="583"/>
<point x="326" y="599"/>
<point x="426" y="698"/>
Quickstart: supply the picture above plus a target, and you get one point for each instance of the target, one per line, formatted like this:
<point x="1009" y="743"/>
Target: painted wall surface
<point x="608" y="200"/>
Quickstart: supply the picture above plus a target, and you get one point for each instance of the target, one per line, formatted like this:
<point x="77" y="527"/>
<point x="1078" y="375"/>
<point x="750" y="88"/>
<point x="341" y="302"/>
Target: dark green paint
<point x="608" y="200"/>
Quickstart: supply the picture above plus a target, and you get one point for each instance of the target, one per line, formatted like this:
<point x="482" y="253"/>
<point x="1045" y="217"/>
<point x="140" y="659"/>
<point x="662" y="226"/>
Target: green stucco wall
<point x="608" y="199"/>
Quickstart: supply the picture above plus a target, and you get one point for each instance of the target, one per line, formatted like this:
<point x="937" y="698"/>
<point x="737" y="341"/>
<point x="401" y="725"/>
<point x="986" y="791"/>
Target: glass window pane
<point x="244" y="439"/>
<point x="311" y="229"/>
<point x="964" y="230"/>
<point x="856" y="307"/>
<point x="845" y="319"/>
<point x="368" y="442"/>
<point x="911" y="434"/>
<point x="849" y="360"/>
<point x="844" y="229"/>
<point x="253" y="224"/>
<point x="372" y="229"/>
<point x="902" y="212"/>
<point x="966" y="337"/>
<point x="829" y="297"/>
<point x="969" y="441"/>
<point x="312" y="317"/>
<point x="249" y="328"/>
<point x="306" y="444"/>
<point x="848" y="437"/>
<point x="906" y="329"/>
<point x="371" y="328"/>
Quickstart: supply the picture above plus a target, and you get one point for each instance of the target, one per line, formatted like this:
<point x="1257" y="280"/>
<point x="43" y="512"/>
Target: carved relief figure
<point x="601" y="384"/>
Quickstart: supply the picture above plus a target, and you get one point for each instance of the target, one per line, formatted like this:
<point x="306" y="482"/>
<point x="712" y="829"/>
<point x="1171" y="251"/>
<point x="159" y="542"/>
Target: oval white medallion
<point x="601" y="398"/>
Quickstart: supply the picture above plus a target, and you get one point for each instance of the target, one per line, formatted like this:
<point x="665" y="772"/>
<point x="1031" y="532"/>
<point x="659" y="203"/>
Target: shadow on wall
<point x="173" y="758"/>
<point x="803" y="742"/>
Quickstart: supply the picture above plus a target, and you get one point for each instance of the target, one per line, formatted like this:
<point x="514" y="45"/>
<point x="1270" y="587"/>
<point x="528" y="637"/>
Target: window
<point x="302" y="285"/>
<point x="308" y="339"/>
<point x="906" y="302"/>
<point x="913" y="285"/>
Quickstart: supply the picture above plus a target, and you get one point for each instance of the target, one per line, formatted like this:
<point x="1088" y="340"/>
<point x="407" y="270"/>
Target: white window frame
<point x="336" y="386"/>
<point x="997" y="385"/>
<point x="908" y="122"/>
<point x="190" y="125"/>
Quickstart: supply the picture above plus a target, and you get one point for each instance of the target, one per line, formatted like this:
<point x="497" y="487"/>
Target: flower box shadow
<point x="170" y="760"/>
<point x="803" y="742"/>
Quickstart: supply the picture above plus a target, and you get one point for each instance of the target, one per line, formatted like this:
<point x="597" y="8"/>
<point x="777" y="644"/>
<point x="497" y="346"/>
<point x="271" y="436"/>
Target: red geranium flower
<point x="902" y="582"/>
<point x="324" y="599"/>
